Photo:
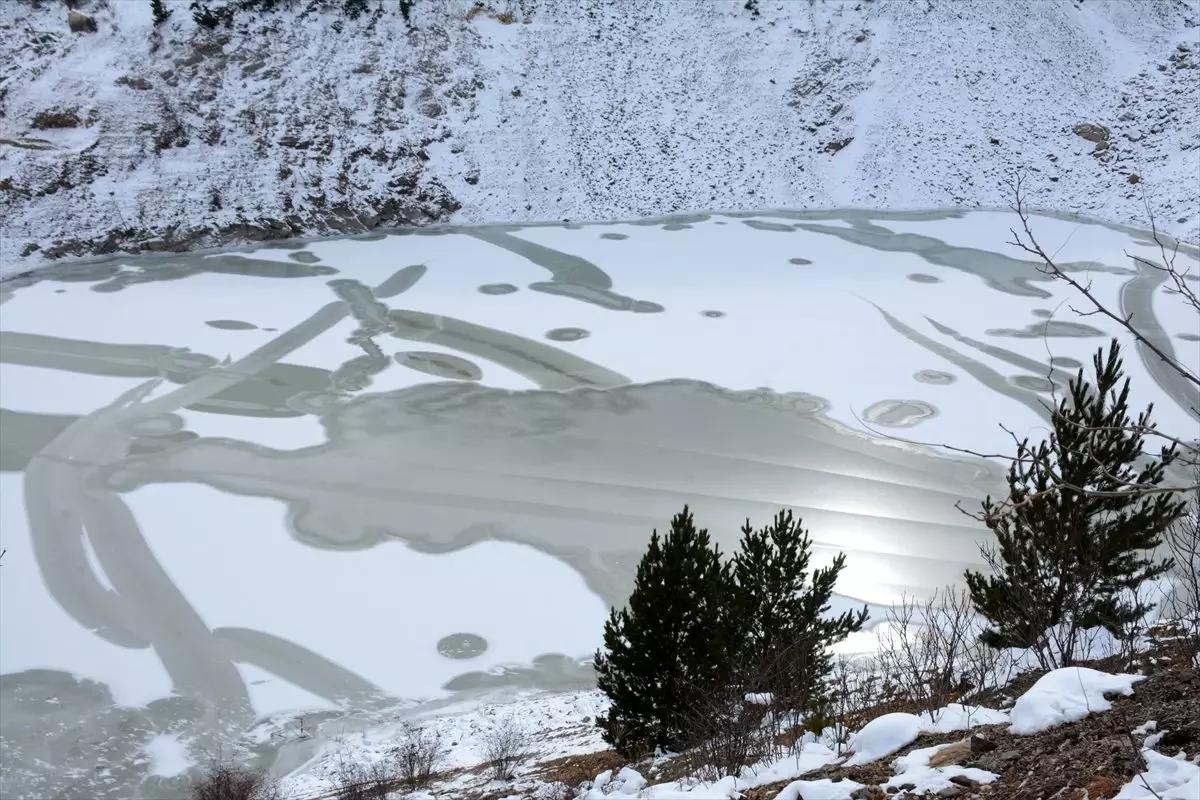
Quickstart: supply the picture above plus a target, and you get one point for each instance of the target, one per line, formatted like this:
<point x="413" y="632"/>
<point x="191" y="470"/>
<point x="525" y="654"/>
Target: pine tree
<point x="780" y="614"/>
<point x="204" y="16"/>
<point x="1076" y="533"/>
<point x="669" y="645"/>
<point x="158" y="8"/>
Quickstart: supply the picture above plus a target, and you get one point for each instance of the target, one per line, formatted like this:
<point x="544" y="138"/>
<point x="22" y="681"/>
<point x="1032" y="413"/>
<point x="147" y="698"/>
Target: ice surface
<point x="278" y="514"/>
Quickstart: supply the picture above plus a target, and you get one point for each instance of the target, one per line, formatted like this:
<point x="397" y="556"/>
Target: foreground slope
<point x="308" y="122"/>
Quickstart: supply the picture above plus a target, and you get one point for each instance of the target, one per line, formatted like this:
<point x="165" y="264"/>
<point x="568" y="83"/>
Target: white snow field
<point x="274" y="498"/>
<point x="586" y="110"/>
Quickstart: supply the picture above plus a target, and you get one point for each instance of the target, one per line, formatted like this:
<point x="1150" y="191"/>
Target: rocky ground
<point x="134" y="137"/>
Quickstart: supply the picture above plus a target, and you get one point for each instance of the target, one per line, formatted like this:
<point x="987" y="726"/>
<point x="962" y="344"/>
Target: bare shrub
<point x="855" y="687"/>
<point x="729" y="729"/>
<point x="922" y="646"/>
<point x="504" y="746"/>
<point x="230" y="782"/>
<point x="1182" y="541"/>
<point x="356" y="780"/>
<point x="419" y="754"/>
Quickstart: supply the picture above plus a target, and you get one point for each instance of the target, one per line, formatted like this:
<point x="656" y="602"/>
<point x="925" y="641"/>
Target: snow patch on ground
<point x="1067" y="695"/>
<point x="883" y="736"/>
<point x="914" y="770"/>
<point x="1165" y="779"/>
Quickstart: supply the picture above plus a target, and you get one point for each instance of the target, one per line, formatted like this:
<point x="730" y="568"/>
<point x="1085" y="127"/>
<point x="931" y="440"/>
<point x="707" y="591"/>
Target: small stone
<point x="951" y="791"/>
<point x="981" y="745"/>
<point x="1009" y="755"/>
<point x="964" y="781"/>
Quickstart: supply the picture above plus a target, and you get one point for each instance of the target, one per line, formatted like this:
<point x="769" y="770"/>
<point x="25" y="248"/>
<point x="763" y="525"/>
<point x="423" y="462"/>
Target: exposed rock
<point x="134" y="82"/>
<point x="955" y="753"/>
<point x="79" y="22"/>
<point x="1091" y="131"/>
<point x="964" y="781"/>
<point x="838" y="145"/>
<point x="56" y="118"/>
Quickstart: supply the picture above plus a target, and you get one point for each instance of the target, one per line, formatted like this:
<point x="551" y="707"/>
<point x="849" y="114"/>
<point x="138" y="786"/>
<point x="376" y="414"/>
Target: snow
<point x="883" y="736"/>
<point x="957" y="717"/>
<point x="168" y="755"/>
<point x="822" y="789"/>
<point x="1067" y="695"/>
<point x="1165" y="778"/>
<point x="914" y="769"/>
<point x="655" y="108"/>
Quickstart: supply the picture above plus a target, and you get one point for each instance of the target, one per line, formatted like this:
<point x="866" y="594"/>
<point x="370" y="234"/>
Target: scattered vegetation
<point x="56" y="118"/>
<point x="213" y="13"/>
<point x="228" y="782"/>
<point x="1073" y="547"/>
<point x="505" y="746"/>
<point x="419" y="755"/>
<point x="701" y="634"/>
<point x="158" y="8"/>
<point x="357" y="780"/>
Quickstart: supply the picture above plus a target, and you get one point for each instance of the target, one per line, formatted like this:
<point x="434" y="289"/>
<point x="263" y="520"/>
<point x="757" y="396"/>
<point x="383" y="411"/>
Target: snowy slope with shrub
<point x="136" y="137"/>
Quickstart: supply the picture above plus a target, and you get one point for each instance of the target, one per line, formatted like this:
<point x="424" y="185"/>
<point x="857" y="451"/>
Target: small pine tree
<point x="204" y="16"/>
<point x="354" y="8"/>
<point x="160" y="11"/>
<point x="406" y="7"/>
<point x="669" y="645"/>
<point x="1075" y="540"/>
<point x="780" y="614"/>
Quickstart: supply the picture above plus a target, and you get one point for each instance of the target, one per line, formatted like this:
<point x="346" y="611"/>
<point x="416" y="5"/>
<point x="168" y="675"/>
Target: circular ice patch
<point x="712" y="314"/>
<point x="497" y="288"/>
<point x="1065" y="362"/>
<point x="934" y="377"/>
<point x="462" y="646"/>
<point x="921" y="277"/>
<point x="567" y="334"/>
<point x="613" y="236"/>
<point x="899" y="413"/>
<point x="803" y="262"/>
<point x="231" y="325"/>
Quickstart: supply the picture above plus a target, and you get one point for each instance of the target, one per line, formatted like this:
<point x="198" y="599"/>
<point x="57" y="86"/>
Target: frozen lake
<point x="345" y="476"/>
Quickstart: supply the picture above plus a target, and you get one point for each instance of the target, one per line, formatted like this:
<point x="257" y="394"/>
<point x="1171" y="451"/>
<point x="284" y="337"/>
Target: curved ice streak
<point x="546" y="366"/>
<point x="299" y="665"/>
<point x="1137" y="304"/>
<point x="256" y="361"/>
<point x="117" y="541"/>
<point x="56" y="532"/>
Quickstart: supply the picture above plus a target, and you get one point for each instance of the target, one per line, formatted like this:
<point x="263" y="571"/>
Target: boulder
<point x="79" y="22"/>
<point x="1091" y="131"/>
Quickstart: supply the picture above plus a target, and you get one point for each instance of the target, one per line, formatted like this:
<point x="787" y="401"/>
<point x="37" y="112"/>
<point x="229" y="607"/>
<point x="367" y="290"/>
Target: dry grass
<point x="226" y="782"/>
<point x="56" y="118"/>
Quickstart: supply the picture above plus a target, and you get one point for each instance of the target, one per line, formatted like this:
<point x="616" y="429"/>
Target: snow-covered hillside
<point x="140" y="138"/>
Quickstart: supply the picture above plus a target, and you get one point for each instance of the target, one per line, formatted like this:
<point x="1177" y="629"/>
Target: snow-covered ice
<point x="361" y="481"/>
<point x="1067" y="695"/>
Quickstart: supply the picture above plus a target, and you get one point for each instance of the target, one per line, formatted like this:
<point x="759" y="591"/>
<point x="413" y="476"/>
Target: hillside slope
<point x="299" y="122"/>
